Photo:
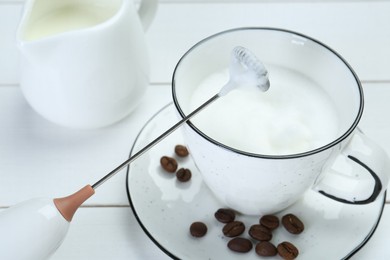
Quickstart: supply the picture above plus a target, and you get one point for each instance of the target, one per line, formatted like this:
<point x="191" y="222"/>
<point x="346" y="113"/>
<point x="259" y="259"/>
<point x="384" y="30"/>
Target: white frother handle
<point x="31" y="230"/>
<point x="369" y="168"/>
<point x="146" y="12"/>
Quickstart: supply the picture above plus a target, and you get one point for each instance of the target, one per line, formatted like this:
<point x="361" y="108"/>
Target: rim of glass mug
<point x="336" y="141"/>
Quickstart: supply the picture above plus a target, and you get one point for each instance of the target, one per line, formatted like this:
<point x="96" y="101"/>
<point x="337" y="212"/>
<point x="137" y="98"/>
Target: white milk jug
<point x="84" y="63"/>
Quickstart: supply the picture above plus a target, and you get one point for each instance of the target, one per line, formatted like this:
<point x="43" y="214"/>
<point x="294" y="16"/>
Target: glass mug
<point x="349" y="168"/>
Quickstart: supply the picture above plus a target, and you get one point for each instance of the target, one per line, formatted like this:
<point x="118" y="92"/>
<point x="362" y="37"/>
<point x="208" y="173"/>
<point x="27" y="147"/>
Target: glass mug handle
<point x="371" y="175"/>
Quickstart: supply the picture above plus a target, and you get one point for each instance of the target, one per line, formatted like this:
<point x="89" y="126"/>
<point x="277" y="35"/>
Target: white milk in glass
<point x="66" y="19"/>
<point x="295" y="115"/>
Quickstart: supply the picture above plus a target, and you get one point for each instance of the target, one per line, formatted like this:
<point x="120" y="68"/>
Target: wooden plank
<point x="375" y="121"/>
<point x="107" y="233"/>
<point x="113" y="233"/>
<point x="9" y="17"/>
<point x="221" y="1"/>
<point x="44" y="160"/>
<point x="363" y="42"/>
<point x="360" y="31"/>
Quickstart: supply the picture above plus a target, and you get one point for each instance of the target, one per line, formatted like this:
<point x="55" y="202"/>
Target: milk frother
<point x="34" y="229"/>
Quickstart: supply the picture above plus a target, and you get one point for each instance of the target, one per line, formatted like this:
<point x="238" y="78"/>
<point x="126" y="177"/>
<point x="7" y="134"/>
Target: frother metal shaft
<point x="242" y="58"/>
<point x="154" y="142"/>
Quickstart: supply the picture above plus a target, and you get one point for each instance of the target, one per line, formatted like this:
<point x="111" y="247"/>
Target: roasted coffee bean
<point x="225" y="215"/>
<point x="239" y="244"/>
<point x="292" y="224"/>
<point x="181" y="150"/>
<point x="233" y="229"/>
<point x="198" y="229"/>
<point x="287" y="250"/>
<point x="259" y="232"/>
<point x="269" y="221"/>
<point x="265" y="248"/>
<point x="169" y="164"/>
<point x="183" y="175"/>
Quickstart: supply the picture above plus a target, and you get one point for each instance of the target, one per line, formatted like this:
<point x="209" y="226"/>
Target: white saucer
<point x="165" y="208"/>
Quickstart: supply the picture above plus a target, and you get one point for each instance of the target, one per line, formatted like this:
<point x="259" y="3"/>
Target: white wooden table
<point x="40" y="159"/>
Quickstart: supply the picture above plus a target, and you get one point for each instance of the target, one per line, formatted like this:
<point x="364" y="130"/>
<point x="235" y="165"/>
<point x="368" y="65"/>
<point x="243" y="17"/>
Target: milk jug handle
<point x="147" y="11"/>
<point x="370" y="168"/>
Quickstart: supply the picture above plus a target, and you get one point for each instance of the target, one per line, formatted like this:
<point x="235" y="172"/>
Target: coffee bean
<point x="265" y="248"/>
<point x="233" y="229"/>
<point x="287" y="250"/>
<point x="198" y="229"/>
<point x="169" y="164"/>
<point x="292" y="224"/>
<point x="225" y="215"/>
<point x="183" y="175"/>
<point x="239" y="244"/>
<point x="181" y="150"/>
<point x="259" y="232"/>
<point x="269" y="221"/>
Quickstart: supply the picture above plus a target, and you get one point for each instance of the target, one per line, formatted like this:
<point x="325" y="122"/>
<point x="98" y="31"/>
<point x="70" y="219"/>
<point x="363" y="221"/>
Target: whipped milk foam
<point x="295" y="115"/>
